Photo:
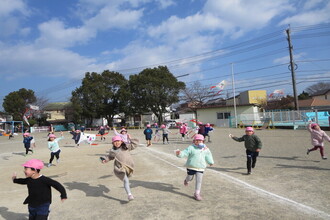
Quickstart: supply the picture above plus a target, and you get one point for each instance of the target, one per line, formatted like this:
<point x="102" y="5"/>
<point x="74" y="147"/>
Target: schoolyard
<point x="286" y="183"/>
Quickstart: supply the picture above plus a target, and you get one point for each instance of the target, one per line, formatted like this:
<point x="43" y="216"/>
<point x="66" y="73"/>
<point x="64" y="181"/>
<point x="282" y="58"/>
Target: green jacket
<point x="197" y="158"/>
<point x="251" y="143"/>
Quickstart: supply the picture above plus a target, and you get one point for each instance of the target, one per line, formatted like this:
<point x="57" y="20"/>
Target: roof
<point x="313" y="102"/>
<point x="55" y="106"/>
<point x="321" y="92"/>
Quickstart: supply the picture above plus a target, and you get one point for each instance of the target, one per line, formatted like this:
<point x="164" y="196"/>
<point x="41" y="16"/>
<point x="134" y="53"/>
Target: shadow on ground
<point x="12" y="215"/>
<point x="93" y="191"/>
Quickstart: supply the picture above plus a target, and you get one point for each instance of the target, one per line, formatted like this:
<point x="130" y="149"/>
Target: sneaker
<point x="197" y="197"/>
<point x="185" y="183"/>
<point x="324" y="158"/>
<point x="249" y="173"/>
<point x="130" y="197"/>
<point x="31" y="151"/>
<point x="49" y="165"/>
<point x="58" y="160"/>
<point x="307" y="151"/>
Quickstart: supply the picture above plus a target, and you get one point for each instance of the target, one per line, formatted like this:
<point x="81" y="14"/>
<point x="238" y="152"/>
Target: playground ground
<point x="286" y="183"/>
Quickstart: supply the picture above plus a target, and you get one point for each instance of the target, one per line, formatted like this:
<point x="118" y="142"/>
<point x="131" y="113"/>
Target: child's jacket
<point x="197" y="158"/>
<point x="251" y="142"/>
<point x="318" y="136"/>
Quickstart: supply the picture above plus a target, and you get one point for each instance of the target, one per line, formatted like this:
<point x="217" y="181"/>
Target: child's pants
<point x="321" y="149"/>
<point x="251" y="159"/>
<point x="27" y="150"/>
<point x="40" y="212"/>
<point x="165" y="136"/>
<point x="199" y="178"/>
<point x="56" y="154"/>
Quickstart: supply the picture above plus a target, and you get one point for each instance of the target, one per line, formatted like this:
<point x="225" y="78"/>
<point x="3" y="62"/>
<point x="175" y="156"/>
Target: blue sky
<point x="48" y="45"/>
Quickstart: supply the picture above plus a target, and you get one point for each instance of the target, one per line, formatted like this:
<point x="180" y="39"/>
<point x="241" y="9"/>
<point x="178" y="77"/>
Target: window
<point x="223" y="115"/>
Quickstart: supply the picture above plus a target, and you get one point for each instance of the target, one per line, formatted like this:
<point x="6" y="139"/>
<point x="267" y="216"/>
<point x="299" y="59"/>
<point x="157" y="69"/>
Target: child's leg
<point x="198" y="186"/>
<point x="40" y="212"/>
<point x="51" y="157"/>
<point x="166" y="136"/>
<point x="254" y="159"/>
<point x="248" y="161"/>
<point x="314" y="148"/>
<point x="126" y="185"/>
<point x="321" y="151"/>
<point x="26" y="151"/>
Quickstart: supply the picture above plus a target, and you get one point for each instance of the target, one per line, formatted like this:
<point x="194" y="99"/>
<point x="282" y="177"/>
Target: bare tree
<point x="317" y="87"/>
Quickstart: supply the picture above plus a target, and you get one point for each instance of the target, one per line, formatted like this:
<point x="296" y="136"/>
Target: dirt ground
<point x="286" y="183"/>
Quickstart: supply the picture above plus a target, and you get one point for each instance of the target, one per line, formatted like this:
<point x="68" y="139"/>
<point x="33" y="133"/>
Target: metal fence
<point x="283" y="119"/>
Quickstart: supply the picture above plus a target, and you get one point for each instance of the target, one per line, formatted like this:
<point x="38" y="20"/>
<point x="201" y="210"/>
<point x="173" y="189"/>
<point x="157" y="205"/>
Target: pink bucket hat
<point x="26" y="134"/>
<point x="117" y="138"/>
<point x="313" y="125"/>
<point x="34" y="163"/>
<point x="162" y="126"/>
<point x="199" y="137"/>
<point x="52" y="136"/>
<point x="249" y="129"/>
<point x="123" y="130"/>
<point x="148" y="125"/>
<point x="207" y="125"/>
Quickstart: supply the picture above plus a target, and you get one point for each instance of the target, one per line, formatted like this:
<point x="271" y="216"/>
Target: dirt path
<point x="286" y="183"/>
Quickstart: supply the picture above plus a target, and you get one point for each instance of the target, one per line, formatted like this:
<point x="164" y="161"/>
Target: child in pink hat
<point x="124" y="164"/>
<point x="317" y="136"/>
<point x="198" y="157"/>
<point x="54" y="148"/>
<point x="27" y="141"/>
<point x="39" y="188"/>
<point x="148" y="134"/>
<point x="253" y="146"/>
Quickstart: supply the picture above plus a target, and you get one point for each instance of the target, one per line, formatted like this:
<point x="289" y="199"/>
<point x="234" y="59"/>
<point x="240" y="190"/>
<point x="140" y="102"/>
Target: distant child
<point x="253" y="146"/>
<point x="165" y="131"/>
<point x="207" y="130"/>
<point x="199" y="156"/>
<point x="10" y="135"/>
<point x="183" y="130"/>
<point x="148" y="134"/>
<point x="157" y="134"/>
<point x="39" y="188"/>
<point x="76" y="136"/>
<point x="318" y="137"/>
<point x="54" y="148"/>
<point x="123" y="134"/>
<point x="102" y="132"/>
<point x="124" y="164"/>
<point x="27" y="139"/>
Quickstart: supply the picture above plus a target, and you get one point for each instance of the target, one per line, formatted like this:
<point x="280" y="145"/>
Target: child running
<point x="253" y="146"/>
<point x="124" y="164"/>
<point x="39" y="188"/>
<point x="123" y="134"/>
<point x="199" y="156"/>
<point x="165" y="131"/>
<point x="27" y="140"/>
<point x="317" y="136"/>
<point x="148" y="134"/>
<point x="75" y="136"/>
<point x="54" y="148"/>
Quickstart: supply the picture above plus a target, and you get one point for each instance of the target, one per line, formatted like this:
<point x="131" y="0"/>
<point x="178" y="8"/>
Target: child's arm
<point x="22" y="181"/>
<point x="236" y="138"/>
<point x="58" y="187"/>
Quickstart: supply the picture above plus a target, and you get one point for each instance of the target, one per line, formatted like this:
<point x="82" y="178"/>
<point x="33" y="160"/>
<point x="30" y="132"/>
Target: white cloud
<point x="311" y="17"/>
<point x="9" y="6"/>
<point x="166" y="3"/>
<point x="29" y="60"/>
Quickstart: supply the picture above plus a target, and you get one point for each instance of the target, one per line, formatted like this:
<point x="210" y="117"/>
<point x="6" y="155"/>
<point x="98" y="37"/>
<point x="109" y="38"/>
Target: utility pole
<point x="292" y="67"/>
<point x="233" y="85"/>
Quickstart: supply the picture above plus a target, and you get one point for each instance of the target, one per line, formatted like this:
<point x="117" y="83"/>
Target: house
<point x="322" y="94"/>
<point x="229" y="113"/>
<point x="56" y="112"/>
<point x="314" y="103"/>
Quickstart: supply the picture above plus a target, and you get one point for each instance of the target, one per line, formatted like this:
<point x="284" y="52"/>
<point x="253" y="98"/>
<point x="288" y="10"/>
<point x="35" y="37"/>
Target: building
<point x="322" y="94"/>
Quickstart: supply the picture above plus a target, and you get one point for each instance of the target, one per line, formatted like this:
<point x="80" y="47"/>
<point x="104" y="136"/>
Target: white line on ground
<point x="300" y="206"/>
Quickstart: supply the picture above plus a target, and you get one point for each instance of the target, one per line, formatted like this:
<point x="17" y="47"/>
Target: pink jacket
<point x="318" y="136"/>
<point x="183" y="129"/>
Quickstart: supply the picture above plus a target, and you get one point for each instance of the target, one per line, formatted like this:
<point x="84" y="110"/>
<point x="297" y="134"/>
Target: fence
<point x="283" y="119"/>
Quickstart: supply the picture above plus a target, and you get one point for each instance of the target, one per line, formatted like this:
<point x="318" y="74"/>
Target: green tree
<point x="100" y="95"/>
<point x="304" y="95"/>
<point x="154" y="90"/>
<point x="15" y="103"/>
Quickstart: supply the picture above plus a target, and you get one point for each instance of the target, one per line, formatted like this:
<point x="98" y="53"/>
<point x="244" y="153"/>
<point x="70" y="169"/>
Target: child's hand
<point x="14" y="176"/>
<point x="211" y="165"/>
<point x="62" y="200"/>
<point x="231" y="136"/>
<point x="177" y="152"/>
<point x="258" y="150"/>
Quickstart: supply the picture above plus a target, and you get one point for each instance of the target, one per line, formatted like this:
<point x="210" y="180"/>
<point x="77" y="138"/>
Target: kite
<point x="89" y="138"/>
<point x="220" y="86"/>
<point x="29" y="112"/>
<point x="276" y="92"/>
